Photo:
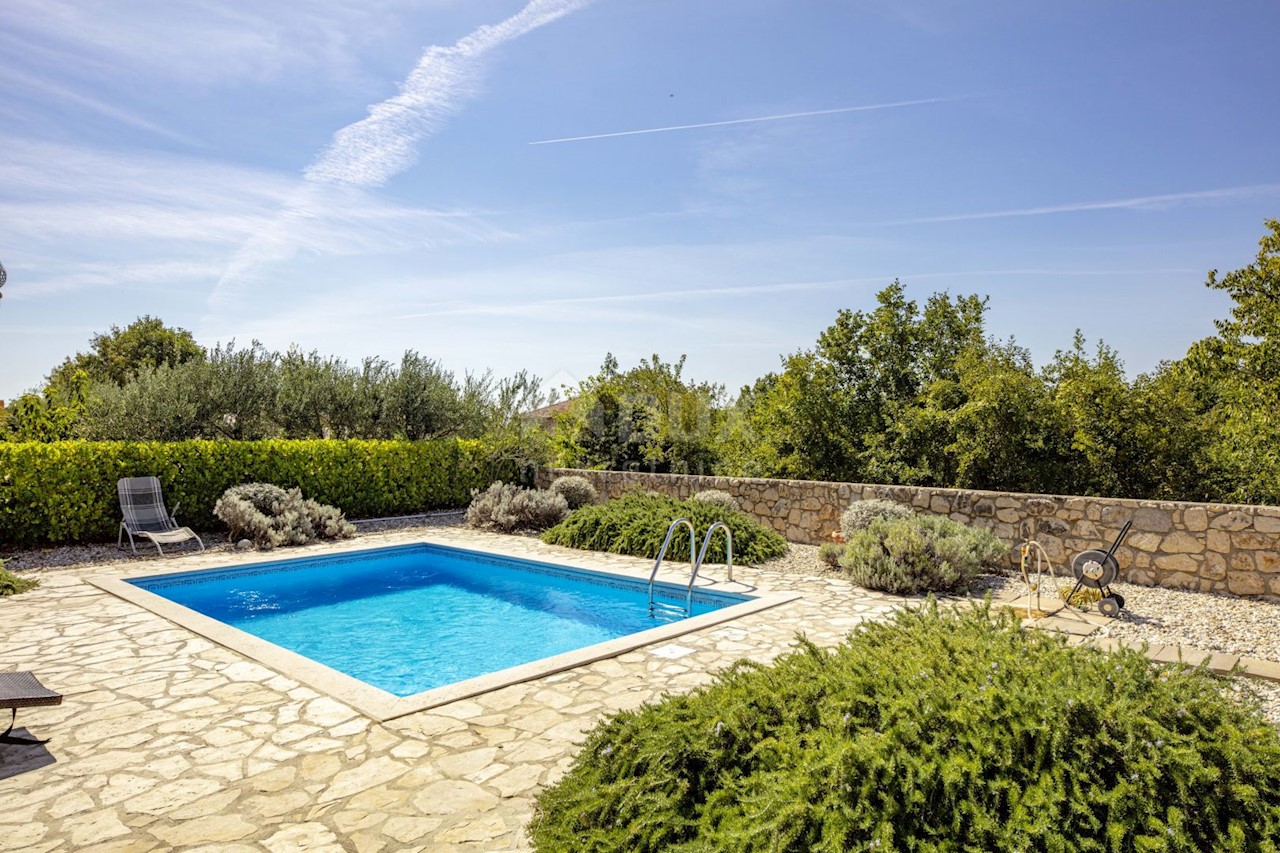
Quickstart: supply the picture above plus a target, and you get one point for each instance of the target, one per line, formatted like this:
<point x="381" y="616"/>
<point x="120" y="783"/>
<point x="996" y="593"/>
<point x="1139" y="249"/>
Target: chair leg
<point x="14" y="739"/>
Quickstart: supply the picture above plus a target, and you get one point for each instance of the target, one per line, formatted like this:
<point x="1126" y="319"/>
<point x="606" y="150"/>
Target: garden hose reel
<point x="1097" y="569"/>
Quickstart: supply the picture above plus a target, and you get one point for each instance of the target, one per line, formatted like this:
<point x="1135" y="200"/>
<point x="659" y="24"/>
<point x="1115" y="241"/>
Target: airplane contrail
<point x="865" y="108"/>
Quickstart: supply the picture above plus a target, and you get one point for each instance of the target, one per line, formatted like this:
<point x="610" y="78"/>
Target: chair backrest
<point x="143" y="504"/>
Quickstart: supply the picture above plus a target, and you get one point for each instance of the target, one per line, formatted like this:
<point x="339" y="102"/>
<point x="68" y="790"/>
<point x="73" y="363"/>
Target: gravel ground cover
<point x="1152" y="614"/>
<point x="36" y="560"/>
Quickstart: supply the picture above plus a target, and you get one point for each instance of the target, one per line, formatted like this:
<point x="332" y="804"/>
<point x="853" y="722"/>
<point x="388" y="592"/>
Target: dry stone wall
<point x="1228" y="548"/>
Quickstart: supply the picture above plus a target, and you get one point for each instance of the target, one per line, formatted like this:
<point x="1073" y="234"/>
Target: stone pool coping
<point x="381" y="705"/>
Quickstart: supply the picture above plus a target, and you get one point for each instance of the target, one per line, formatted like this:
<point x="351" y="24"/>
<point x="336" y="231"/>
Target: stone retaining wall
<point x="1214" y="547"/>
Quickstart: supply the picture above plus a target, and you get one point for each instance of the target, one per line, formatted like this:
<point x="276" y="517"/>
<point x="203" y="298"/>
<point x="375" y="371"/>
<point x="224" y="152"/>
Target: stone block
<point x="1219" y="540"/>
<point x="1114" y="515"/>
<point x="1053" y="547"/>
<point x="1195" y="519"/>
<point x="1245" y="583"/>
<point x="1266" y="523"/>
<point x="1268" y="562"/>
<point x="939" y="505"/>
<point x="1142" y="561"/>
<point x="1180" y="580"/>
<point x="1041" y="506"/>
<point x="1179" y="542"/>
<point x="1177" y="563"/>
<point x="1008" y="516"/>
<point x="1140" y="576"/>
<point x="1215" y="567"/>
<point x="985" y="508"/>
<point x="1252" y="541"/>
<point x="1149" y="542"/>
<point x="1149" y="518"/>
<point x="1233" y="520"/>
<point x="1242" y="561"/>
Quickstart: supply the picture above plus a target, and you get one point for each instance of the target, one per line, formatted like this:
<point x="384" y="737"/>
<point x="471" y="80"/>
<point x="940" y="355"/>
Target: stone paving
<point x="166" y="741"/>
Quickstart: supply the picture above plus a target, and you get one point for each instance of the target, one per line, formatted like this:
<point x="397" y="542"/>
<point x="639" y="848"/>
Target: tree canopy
<point x="901" y="393"/>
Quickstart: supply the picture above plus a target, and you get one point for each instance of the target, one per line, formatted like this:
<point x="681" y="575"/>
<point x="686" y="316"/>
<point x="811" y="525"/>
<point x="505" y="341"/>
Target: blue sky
<point x="361" y="176"/>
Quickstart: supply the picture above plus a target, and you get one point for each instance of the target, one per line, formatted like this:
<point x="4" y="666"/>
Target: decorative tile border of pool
<point x="381" y="705"/>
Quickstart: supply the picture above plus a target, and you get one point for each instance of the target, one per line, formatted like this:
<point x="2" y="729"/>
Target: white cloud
<point x="376" y="148"/>
<point x="214" y="40"/>
<point x="369" y="152"/>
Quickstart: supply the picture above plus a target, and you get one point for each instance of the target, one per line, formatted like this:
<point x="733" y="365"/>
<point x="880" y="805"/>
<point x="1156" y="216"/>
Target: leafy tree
<point x="1235" y="379"/>
<point x="853" y="407"/>
<point x="649" y="418"/>
<point x="118" y="355"/>
<point x="1007" y="435"/>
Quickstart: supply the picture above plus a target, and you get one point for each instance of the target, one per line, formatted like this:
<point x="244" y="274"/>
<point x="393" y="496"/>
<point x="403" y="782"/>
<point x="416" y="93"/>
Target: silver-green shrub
<point x="862" y="513"/>
<point x="576" y="491"/>
<point x="506" y="507"/>
<point x="715" y="497"/>
<point x="908" y="556"/>
<point x="830" y="553"/>
<point x="271" y="516"/>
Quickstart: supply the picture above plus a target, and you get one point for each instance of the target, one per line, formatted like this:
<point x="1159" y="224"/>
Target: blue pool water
<point x="414" y="617"/>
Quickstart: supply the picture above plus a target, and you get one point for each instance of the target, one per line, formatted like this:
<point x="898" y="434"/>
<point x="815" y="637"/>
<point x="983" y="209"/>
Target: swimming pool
<point x="424" y="623"/>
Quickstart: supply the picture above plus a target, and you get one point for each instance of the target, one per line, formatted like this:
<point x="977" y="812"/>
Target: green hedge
<point x="65" y="491"/>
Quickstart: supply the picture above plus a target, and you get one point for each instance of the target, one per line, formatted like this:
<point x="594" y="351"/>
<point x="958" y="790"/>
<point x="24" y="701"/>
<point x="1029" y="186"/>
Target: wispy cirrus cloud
<point x="374" y="149"/>
<point x="369" y="152"/>
<point x="204" y="42"/>
<point x="757" y="119"/>
<point x="1147" y="202"/>
<point x="20" y="81"/>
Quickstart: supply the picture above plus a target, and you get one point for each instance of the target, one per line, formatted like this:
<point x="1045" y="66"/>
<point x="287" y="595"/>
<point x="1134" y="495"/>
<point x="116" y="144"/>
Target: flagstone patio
<point x="167" y="741"/>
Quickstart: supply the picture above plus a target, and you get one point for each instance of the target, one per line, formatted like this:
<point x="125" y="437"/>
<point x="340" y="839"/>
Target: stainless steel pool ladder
<point x="674" y="610"/>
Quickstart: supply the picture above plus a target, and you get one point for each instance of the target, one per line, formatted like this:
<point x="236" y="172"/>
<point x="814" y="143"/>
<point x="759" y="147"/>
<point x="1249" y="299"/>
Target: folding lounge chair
<point x="145" y="515"/>
<point x="23" y="690"/>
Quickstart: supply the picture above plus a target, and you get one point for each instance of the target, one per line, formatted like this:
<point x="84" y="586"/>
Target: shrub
<point x="715" y="497"/>
<point x="637" y="522"/>
<point x="907" y="556"/>
<point x="830" y="553"/>
<point x="507" y="507"/>
<point x="862" y="513"/>
<point x="576" y="491"/>
<point x="935" y="731"/>
<point x="66" y="491"/>
<point x="11" y="584"/>
<point x="272" y="516"/>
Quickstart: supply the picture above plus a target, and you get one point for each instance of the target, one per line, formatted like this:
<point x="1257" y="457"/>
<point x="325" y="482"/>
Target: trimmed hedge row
<point x="65" y="491"/>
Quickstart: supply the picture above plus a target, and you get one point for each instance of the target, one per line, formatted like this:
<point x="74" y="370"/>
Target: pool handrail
<point x="662" y="552"/>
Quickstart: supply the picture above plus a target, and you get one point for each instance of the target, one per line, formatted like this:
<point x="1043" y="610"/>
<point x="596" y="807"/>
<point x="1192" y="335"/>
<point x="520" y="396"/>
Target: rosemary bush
<point x="937" y="731"/>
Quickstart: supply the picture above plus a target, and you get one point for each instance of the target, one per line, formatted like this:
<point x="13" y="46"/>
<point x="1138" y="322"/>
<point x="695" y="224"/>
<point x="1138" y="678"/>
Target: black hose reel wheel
<point x="1095" y="569"/>
<point x="1098" y="570"/>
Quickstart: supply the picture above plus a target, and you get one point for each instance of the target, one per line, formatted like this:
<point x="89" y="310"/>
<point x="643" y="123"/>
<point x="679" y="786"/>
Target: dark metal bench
<point x="23" y="690"/>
